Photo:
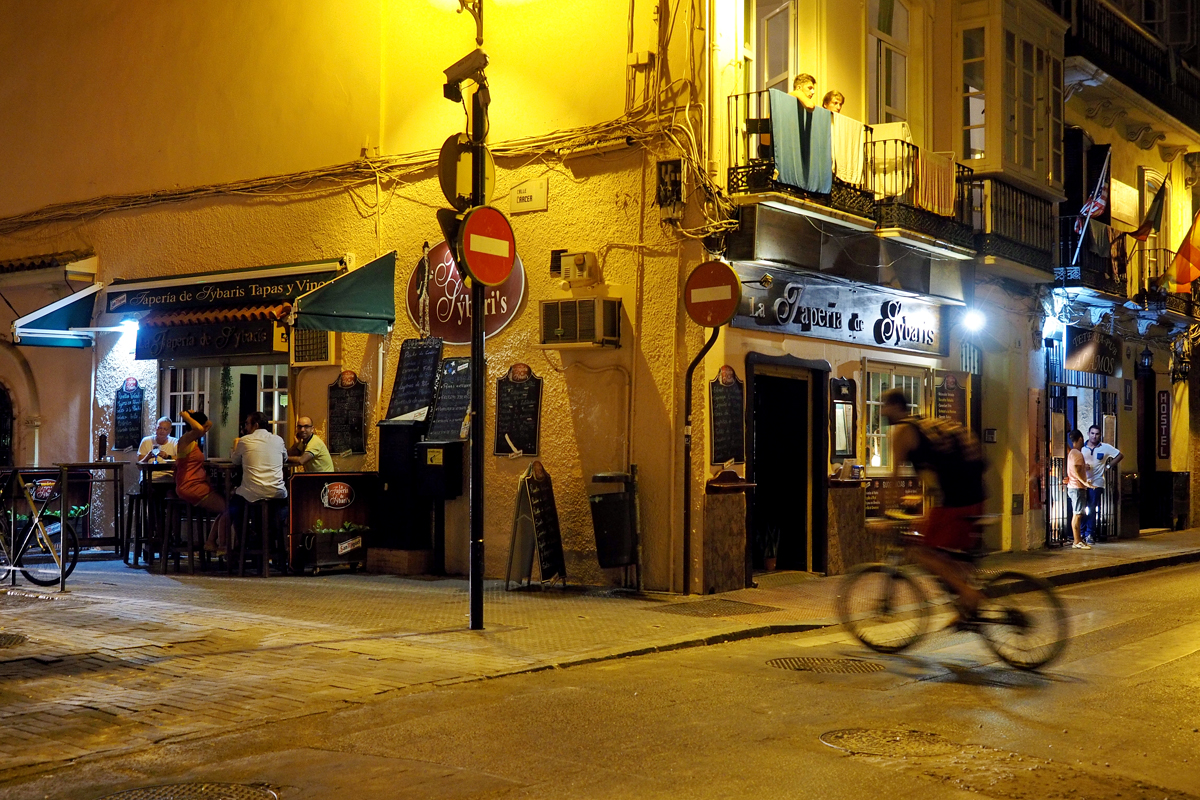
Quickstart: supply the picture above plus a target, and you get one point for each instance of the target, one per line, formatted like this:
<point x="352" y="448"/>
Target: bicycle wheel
<point x="5" y="561"/>
<point x="1022" y="620"/>
<point x="883" y="607"/>
<point x="34" y="558"/>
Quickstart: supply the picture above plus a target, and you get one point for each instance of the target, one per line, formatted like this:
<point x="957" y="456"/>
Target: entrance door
<point x="6" y="429"/>
<point x="782" y="456"/>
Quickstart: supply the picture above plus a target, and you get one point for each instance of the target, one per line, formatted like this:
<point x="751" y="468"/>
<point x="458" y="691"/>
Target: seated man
<point x="159" y="448"/>
<point x="261" y="455"/>
<point x="309" y="451"/>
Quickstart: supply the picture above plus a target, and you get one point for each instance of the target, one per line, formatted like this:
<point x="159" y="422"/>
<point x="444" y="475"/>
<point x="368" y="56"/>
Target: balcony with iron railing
<point x="1111" y="41"/>
<point x="1088" y="264"/>
<point x="753" y="167"/>
<point x="1152" y="263"/>
<point x="921" y="191"/>
<point x="1013" y="224"/>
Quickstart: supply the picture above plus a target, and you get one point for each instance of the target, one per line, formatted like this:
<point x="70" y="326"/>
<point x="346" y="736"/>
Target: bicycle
<point x="1022" y="620"/>
<point x="42" y="551"/>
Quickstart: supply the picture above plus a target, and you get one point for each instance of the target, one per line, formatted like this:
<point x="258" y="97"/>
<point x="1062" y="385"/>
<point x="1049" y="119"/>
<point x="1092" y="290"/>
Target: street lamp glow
<point x="974" y="320"/>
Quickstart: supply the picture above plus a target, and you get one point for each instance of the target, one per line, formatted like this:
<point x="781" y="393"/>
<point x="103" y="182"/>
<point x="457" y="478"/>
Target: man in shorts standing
<point x="1078" y="484"/>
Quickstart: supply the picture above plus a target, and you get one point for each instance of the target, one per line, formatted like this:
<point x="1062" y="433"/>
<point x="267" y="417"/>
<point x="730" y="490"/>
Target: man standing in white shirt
<point x="261" y="455"/>
<point x="1100" y="457"/>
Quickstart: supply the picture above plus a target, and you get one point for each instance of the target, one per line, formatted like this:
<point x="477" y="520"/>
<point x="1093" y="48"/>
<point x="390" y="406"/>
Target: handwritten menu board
<point x="347" y="414"/>
<point x="909" y="487"/>
<point x="726" y="417"/>
<point x="518" y="412"/>
<point x="950" y="397"/>
<point x="535" y="525"/>
<point x="415" y="377"/>
<point x="453" y="401"/>
<point x="127" y="413"/>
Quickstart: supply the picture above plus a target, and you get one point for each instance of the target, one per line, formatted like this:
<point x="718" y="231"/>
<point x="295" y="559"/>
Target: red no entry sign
<point x="712" y="294"/>
<point x="487" y="245"/>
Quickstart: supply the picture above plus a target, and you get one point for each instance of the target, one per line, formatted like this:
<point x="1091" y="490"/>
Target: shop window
<point x="974" y="67"/>
<point x="182" y="388"/>
<point x="887" y="61"/>
<point x="880" y="378"/>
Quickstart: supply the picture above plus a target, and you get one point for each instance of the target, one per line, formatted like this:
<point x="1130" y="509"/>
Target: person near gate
<point x="1100" y="458"/>
<point x="1078" y="482"/>
<point x="309" y="451"/>
<point x="261" y="455"/>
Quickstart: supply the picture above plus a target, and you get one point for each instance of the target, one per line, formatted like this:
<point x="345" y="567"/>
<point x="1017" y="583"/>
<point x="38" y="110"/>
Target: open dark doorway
<point x="6" y="429"/>
<point x="780" y="516"/>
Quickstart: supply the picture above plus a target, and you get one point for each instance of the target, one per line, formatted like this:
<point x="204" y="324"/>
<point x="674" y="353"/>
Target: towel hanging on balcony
<point x="803" y="144"/>
<point x="935" y="182"/>
<point x="848" y="141"/>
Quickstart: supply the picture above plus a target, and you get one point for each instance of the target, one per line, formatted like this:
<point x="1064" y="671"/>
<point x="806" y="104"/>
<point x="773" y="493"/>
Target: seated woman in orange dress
<point x="191" y="479"/>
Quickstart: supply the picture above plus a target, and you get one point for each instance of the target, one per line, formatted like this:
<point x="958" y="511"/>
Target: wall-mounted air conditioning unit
<point x="581" y="322"/>
<point x="314" y="348"/>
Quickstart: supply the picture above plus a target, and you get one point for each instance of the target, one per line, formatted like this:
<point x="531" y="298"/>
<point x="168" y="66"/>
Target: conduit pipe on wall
<point x="687" y="462"/>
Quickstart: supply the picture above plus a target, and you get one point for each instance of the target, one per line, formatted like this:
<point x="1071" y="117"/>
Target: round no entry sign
<point x="712" y="294"/>
<point x="487" y="245"/>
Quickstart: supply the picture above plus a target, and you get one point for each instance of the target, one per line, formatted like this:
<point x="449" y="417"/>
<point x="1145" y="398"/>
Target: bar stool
<point x="179" y="513"/>
<point x="134" y="533"/>
<point x="263" y="509"/>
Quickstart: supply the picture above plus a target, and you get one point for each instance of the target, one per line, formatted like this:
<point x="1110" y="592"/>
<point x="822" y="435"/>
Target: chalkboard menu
<point x="127" y="411"/>
<point x="535" y="525"/>
<point x="347" y="414"/>
<point x="726" y="417"/>
<point x="453" y="401"/>
<point x="909" y="488"/>
<point x="518" y="412"/>
<point x="415" y="376"/>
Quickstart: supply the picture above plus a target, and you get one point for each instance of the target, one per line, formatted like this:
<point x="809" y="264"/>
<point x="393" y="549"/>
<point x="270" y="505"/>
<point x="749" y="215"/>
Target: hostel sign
<point x="804" y="305"/>
<point x="1093" y="351"/>
<point x="177" y="294"/>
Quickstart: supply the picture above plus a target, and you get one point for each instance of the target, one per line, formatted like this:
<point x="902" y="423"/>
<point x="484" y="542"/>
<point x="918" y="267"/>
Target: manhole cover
<point x="714" y="608"/>
<point x="12" y="639"/>
<point x="196" y="791"/>
<point x="841" y="665"/>
<point x="896" y="743"/>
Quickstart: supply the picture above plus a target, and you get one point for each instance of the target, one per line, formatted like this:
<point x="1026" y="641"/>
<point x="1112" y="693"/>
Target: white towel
<point x="848" y="140"/>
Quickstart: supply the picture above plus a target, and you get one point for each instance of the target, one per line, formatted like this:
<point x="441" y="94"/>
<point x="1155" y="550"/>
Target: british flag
<point x="1096" y="204"/>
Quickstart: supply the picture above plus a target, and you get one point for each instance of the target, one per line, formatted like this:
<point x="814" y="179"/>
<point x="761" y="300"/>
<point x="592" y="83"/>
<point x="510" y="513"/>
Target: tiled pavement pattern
<point x="129" y="658"/>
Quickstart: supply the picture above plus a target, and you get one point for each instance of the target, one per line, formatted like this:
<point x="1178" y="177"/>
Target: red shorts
<point x="952" y="528"/>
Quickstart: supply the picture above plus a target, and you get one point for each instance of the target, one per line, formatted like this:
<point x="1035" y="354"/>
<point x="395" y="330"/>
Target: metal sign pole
<point x="478" y="363"/>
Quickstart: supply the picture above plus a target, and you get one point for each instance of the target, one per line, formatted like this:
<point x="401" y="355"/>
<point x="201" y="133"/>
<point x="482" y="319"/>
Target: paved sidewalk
<point x="128" y="659"/>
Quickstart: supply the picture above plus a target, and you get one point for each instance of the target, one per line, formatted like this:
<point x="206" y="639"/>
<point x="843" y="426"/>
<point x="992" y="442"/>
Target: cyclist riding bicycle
<point x="955" y="459"/>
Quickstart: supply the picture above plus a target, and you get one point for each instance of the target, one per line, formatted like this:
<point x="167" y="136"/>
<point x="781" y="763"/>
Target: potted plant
<point x="768" y="544"/>
<point x="322" y="546"/>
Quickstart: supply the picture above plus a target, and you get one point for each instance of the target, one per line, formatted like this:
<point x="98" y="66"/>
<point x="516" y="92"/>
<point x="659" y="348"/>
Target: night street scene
<point x="468" y="399"/>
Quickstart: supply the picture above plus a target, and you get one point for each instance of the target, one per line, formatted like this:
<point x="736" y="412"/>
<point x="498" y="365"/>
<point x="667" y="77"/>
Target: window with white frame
<point x="1033" y="109"/>
<point x="273" y="396"/>
<point x="774" y="45"/>
<point x="887" y="61"/>
<point x="974" y="68"/>
<point x="182" y="389"/>
<point x="880" y="378"/>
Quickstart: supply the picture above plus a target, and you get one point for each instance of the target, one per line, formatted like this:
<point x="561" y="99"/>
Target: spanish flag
<point x="1185" y="267"/>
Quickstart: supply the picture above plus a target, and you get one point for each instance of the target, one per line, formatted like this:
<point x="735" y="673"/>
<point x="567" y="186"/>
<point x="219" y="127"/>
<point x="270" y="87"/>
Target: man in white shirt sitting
<point x="1101" y="459"/>
<point x="261" y="455"/>
<point x="159" y="448"/>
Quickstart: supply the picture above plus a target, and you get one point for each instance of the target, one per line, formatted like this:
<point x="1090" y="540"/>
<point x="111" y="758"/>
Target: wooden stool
<point x="263" y="509"/>
<point x="173" y="543"/>
<point x="134" y="534"/>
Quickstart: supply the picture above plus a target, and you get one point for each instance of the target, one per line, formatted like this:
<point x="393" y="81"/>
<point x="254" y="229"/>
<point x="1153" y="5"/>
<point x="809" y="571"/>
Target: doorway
<point x="6" y="429"/>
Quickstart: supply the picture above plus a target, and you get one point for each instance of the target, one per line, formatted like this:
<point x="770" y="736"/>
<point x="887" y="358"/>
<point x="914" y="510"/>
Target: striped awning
<point x="211" y="316"/>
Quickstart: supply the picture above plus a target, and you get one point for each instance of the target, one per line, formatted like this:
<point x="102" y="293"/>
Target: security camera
<point x="469" y="67"/>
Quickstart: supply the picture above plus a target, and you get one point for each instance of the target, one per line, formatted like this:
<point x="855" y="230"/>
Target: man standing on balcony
<point x="1100" y="457"/>
<point x="804" y="89"/>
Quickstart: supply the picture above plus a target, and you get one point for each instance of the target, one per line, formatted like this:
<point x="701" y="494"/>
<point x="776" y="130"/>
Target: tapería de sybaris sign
<point x="804" y="305"/>
<point x="180" y="293"/>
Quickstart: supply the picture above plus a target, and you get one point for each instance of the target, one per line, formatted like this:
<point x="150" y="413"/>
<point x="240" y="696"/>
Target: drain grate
<point x="895" y="743"/>
<point x="714" y="608"/>
<point x="831" y="665"/>
<point x="12" y="639"/>
<point x="197" y="791"/>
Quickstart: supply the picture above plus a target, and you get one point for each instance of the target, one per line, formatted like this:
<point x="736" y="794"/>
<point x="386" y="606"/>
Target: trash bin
<point x="614" y="517"/>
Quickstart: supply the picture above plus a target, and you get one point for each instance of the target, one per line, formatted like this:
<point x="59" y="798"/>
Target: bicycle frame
<point x="36" y="532"/>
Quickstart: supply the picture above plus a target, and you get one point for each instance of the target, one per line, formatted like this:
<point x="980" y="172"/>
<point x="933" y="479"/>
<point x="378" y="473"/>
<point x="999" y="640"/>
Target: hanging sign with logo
<point x="245" y="338"/>
<point x="337" y="494"/>
<point x="805" y="305"/>
<point x="1093" y="351"/>
<point x="450" y="299"/>
<point x="212" y="293"/>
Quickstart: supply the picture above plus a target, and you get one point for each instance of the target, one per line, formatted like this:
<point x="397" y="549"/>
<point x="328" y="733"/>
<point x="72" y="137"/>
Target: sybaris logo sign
<point x="337" y="495"/>
<point x="897" y="329"/>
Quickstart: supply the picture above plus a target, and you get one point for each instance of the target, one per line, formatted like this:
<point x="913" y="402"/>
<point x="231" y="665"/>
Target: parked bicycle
<point x="39" y="545"/>
<point x="885" y="607"/>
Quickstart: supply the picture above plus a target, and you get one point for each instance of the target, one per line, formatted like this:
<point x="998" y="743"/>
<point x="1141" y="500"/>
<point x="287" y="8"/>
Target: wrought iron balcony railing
<point x="1014" y="224"/>
<point x="1152" y="263"/>
<point x="921" y="191"/>
<point x="1088" y="265"/>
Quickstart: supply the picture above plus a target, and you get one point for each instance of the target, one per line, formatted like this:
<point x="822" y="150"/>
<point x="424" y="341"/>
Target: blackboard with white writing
<point x="726" y="418"/>
<point x="452" y="403"/>
<point x="416" y="376"/>
<point x="347" y="414"/>
<point x="535" y="524"/>
<point x="127" y="414"/>
<point x="518" y="412"/>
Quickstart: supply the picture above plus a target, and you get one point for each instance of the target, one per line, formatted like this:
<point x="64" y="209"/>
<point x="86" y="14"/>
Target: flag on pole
<point x="1154" y="214"/>
<point x="1185" y="267"/>
<point x="1095" y="204"/>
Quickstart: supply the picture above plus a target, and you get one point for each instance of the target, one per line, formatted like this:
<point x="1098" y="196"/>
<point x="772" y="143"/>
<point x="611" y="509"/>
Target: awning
<point x="203" y="316"/>
<point x="52" y="325"/>
<point x="225" y="333"/>
<point x="76" y="265"/>
<point x="361" y="301"/>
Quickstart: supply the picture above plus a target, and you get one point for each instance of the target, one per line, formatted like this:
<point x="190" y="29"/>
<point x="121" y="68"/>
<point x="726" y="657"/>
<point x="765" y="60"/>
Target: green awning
<point x="52" y="325"/>
<point x="361" y="301"/>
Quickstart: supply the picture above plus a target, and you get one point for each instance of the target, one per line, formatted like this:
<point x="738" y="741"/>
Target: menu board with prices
<point x="416" y="376"/>
<point x="535" y="526"/>
<point x="127" y="415"/>
<point x="727" y="417"/>
<point x="950" y="397"/>
<point x="518" y="412"/>
<point x="347" y="414"/>
<point x="910" y="489"/>
<point x="452" y="403"/>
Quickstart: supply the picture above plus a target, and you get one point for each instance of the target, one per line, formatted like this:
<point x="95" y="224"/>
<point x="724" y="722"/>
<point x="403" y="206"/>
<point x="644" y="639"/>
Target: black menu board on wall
<point x="727" y="418"/>
<point x="453" y="401"/>
<point x="127" y="416"/>
<point x="416" y="376"/>
<point x="518" y="412"/>
<point x="535" y="526"/>
<point x="347" y="414"/>
<point x="909" y="488"/>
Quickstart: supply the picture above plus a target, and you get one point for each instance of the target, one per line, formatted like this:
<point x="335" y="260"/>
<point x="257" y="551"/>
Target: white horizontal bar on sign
<point x="711" y="294"/>
<point x="489" y="245"/>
